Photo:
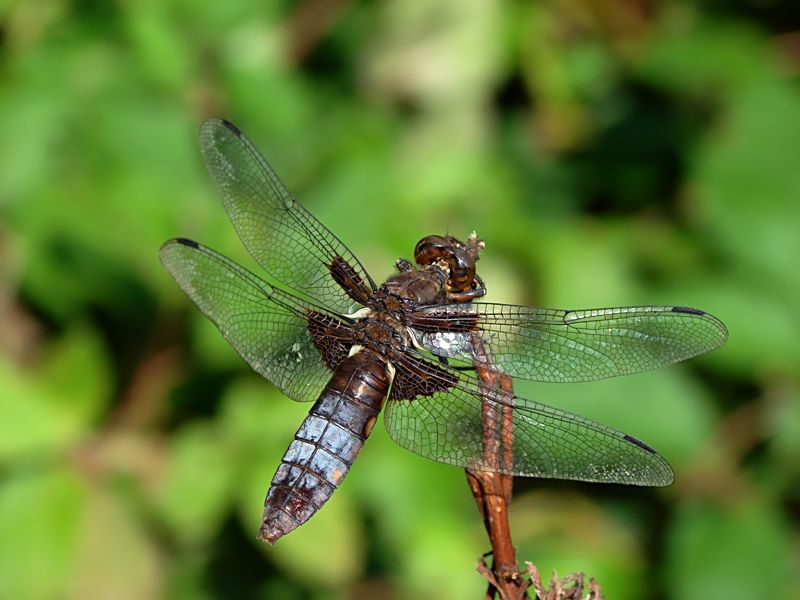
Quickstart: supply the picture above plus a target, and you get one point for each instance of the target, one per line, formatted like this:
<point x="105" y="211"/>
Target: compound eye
<point x="448" y="250"/>
<point x="459" y="264"/>
<point x="431" y="249"/>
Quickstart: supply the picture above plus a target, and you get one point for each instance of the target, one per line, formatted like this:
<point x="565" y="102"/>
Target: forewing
<point x="282" y="236"/>
<point x="468" y="424"/>
<point x="551" y="345"/>
<point x="269" y="328"/>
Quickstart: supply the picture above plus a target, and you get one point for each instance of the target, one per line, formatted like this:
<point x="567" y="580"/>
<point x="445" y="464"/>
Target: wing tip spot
<point x="233" y="128"/>
<point x="188" y="242"/>
<point x="639" y="443"/>
<point x="688" y="311"/>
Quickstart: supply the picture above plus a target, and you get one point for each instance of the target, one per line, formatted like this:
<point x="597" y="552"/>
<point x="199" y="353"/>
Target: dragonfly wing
<point x="459" y="420"/>
<point x="293" y="344"/>
<point x="281" y="235"/>
<point x="552" y="345"/>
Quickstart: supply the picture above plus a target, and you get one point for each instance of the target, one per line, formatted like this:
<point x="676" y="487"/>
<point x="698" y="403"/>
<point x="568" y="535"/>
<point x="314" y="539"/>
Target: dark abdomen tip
<point x="269" y="535"/>
<point x="277" y="525"/>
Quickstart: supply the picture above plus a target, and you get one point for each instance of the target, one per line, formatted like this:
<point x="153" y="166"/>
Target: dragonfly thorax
<point x="383" y="333"/>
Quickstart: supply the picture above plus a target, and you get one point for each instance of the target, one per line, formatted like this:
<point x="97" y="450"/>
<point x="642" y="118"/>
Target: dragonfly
<point x="321" y="330"/>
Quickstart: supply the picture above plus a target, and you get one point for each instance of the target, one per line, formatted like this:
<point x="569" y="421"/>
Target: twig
<point x="492" y="493"/>
<point x="492" y="489"/>
<point x="491" y="485"/>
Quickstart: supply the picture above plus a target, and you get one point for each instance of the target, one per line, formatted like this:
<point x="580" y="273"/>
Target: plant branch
<point x="491" y="488"/>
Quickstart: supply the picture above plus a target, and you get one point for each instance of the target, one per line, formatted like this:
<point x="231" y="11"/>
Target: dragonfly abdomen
<point x="328" y="441"/>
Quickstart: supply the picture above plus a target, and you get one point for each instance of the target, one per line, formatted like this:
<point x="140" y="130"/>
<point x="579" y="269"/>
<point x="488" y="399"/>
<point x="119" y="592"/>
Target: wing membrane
<point x="282" y="236"/>
<point x="450" y="426"/>
<point x="551" y="345"/>
<point x="268" y="327"/>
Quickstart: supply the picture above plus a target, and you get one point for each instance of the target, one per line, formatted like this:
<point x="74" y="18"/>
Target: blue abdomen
<point x="327" y="443"/>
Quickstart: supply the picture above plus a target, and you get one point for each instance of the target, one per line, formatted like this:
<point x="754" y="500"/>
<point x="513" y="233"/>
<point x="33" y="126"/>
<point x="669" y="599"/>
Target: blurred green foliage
<point x="609" y="153"/>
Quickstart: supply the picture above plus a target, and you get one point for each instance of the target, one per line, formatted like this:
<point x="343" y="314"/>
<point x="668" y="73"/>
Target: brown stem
<point x="492" y="492"/>
<point x="492" y="489"/>
<point x="491" y="483"/>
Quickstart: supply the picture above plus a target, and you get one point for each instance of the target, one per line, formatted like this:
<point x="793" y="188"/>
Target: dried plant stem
<point x="492" y="493"/>
<point x="492" y="489"/>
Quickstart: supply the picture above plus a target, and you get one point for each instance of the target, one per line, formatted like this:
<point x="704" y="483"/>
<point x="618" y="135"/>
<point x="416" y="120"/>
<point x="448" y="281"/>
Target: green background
<point x="609" y="153"/>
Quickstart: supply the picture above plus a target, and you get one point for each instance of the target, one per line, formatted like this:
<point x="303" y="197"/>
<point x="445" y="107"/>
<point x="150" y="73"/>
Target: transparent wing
<point x="467" y="424"/>
<point x="550" y="345"/>
<point x="269" y="328"/>
<point x="282" y="236"/>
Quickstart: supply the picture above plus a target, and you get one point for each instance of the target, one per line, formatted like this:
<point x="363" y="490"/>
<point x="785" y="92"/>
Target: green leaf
<point x="740" y="549"/>
<point x="568" y="532"/>
<point x="197" y="482"/>
<point x="60" y="405"/>
<point x="41" y="516"/>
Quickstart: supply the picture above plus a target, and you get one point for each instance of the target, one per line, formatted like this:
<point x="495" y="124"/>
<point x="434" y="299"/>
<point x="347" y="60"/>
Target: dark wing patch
<point x="418" y="377"/>
<point x="349" y="280"/>
<point x="330" y="336"/>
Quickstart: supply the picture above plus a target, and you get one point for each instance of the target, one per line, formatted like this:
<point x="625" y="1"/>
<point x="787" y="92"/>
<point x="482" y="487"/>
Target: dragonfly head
<point x="456" y="257"/>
